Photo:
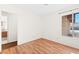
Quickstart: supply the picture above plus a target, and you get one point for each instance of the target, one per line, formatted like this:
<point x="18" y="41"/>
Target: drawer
<point x="4" y="34"/>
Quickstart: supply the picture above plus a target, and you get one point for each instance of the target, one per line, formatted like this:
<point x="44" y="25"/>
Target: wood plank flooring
<point x="41" y="46"/>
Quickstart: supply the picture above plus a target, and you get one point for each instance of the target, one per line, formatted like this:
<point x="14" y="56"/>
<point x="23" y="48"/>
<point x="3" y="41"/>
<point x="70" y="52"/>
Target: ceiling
<point x="43" y="9"/>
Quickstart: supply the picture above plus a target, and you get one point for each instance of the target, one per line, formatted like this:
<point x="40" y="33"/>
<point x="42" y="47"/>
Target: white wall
<point x="52" y="30"/>
<point x="12" y="28"/>
<point x="28" y="24"/>
<point x="29" y="27"/>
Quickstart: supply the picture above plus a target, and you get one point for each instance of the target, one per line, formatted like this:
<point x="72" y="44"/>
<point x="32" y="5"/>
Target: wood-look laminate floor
<point x="41" y="46"/>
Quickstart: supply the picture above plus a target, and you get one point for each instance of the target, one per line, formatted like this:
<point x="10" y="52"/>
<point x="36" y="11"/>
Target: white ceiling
<point x="46" y="9"/>
<point x="42" y="9"/>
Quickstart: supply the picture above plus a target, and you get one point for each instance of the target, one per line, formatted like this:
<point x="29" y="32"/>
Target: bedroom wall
<point x="29" y="27"/>
<point x="53" y="29"/>
<point x="28" y="24"/>
<point x="12" y="28"/>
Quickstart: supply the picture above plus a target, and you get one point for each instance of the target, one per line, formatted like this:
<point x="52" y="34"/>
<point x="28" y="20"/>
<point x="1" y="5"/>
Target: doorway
<point x="8" y="30"/>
